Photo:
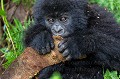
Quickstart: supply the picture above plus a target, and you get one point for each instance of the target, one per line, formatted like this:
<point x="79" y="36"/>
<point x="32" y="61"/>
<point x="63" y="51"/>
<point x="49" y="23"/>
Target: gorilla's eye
<point x="63" y="19"/>
<point x="50" y="20"/>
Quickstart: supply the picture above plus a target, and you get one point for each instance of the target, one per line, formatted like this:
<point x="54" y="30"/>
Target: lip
<point x="57" y="35"/>
<point x="64" y="35"/>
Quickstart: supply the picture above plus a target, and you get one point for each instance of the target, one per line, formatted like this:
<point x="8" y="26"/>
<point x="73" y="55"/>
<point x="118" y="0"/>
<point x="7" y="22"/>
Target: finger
<point x="61" y="43"/>
<point x="69" y="58"/>
<point x="44" y="51"/>
<point x="65" y="53"/>
<point x="52" y="45"/>
<point x="48" y="48"/>
<point x="63" y="47"/>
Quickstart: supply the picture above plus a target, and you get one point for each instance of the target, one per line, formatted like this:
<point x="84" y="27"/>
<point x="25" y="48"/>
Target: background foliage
<point x="28" y="3"/>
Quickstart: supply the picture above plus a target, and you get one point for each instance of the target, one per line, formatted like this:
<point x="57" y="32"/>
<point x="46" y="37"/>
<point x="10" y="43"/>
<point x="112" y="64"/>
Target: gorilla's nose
<point x="57" y="30"/>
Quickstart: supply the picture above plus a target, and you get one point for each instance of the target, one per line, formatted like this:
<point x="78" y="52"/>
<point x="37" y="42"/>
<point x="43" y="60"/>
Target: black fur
<point x="96" y="34"/>
<point x="74" y="70"/>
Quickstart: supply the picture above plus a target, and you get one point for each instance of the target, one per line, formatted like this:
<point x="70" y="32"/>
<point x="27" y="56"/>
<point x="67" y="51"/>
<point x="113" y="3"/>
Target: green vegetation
<point x="111" y="75"/>
<point x="28" y="3"/>
<point x="13" y="35"/>
<point x="56" y="75"/>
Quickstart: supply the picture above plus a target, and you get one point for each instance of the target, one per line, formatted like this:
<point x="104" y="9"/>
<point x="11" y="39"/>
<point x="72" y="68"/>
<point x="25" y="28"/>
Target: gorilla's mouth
<point x="63" y="35"/>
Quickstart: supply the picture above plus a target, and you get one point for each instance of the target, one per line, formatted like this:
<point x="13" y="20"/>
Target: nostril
<point x="54" y="30"/>
<point x="57" y="25"/>
<point x="60" y="30"/>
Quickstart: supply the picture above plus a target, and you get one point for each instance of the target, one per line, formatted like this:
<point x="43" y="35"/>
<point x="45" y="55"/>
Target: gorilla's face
<point x="59" y="23"/>
<point x="61" y="17"/>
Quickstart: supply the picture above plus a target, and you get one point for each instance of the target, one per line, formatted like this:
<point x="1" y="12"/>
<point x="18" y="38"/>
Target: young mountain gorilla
<point x="87" y="30"/>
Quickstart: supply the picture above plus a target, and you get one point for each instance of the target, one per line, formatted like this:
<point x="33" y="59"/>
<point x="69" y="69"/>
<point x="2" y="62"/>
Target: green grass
<point x="13" y="36"/>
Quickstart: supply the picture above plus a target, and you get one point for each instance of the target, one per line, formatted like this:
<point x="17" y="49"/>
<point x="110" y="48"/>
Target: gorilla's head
<point x="61" y="17"/>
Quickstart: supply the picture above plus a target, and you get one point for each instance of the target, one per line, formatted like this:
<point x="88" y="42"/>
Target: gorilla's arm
<point x="74" y="69"/>
<point x="39" y="38"/>
<point x="106" y="49"/>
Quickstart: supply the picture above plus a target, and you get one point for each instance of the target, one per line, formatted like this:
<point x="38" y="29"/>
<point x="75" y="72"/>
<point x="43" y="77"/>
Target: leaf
<point x="56" y="75"/>
<point x="2" y="13"/>
<point x="16" y="1"/>
<point x="111" y="75"/>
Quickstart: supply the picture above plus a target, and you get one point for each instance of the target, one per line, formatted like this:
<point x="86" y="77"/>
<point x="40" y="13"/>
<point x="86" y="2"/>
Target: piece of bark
<point x="30" y="63"/>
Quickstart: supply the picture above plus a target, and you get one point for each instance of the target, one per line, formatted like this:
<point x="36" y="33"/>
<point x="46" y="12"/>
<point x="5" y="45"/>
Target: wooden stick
<point x="30" y="63"/>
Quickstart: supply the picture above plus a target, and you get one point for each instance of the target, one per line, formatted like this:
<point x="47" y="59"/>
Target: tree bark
<point x="29" y="63"/>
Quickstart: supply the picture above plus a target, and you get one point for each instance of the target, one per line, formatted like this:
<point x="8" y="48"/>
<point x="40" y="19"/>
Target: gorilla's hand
<point x="69" y="49"/>
<point x="43" y="42"/>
